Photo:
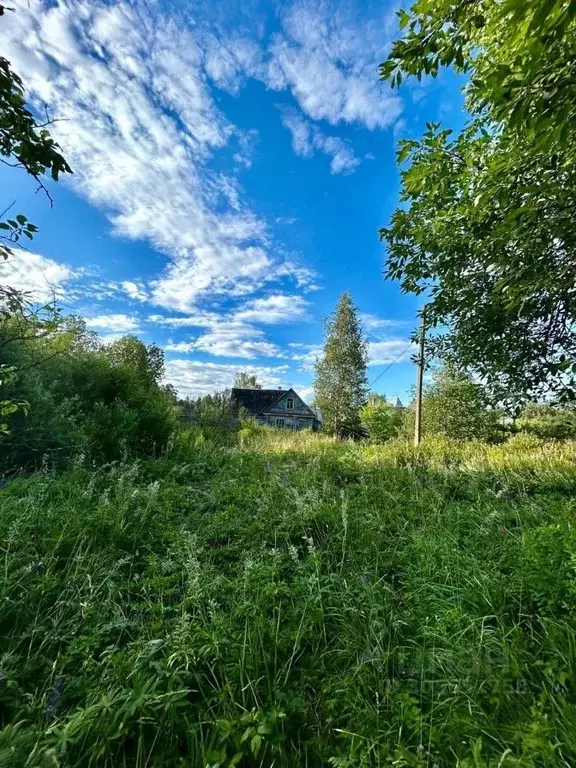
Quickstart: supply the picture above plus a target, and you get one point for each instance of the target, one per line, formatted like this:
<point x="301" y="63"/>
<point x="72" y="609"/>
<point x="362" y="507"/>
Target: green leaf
<point x="255" y="744"/>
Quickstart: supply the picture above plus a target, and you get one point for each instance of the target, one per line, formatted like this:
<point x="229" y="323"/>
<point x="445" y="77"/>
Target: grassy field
<point x="293" y="602"/>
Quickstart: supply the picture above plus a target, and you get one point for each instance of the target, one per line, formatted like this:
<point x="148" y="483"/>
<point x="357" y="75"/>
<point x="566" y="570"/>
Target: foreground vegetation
<point x="292" y="601"/>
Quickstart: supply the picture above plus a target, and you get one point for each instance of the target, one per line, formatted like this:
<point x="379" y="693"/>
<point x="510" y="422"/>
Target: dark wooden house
<point x="282" y="408"/>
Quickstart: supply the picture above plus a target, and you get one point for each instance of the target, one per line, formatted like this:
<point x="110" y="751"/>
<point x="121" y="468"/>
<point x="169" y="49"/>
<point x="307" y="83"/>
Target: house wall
<point x="290" y="422"/>
<point x="298" y="417"/>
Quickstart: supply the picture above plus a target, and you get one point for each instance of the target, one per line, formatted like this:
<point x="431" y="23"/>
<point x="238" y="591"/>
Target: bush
<point x="102" y="401"/>
<point x="455" y="406"/>
<point x="381" y="420"/>
<point x="548" y="422"/>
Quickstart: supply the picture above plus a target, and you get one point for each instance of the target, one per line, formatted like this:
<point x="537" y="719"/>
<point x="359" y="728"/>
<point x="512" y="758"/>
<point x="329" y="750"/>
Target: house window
<point x="290" y="404"/>
<point x="279" y="422"/>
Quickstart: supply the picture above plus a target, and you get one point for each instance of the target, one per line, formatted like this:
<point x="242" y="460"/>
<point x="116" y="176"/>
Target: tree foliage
<point x="457" y="407"/>
<point x="484" y="228"/>
<point x="381" y="420"/>
<point x="548" y="421"/>
<point x="341" y="385"/>
<point x="213" y="411"/>
<point x="245" y="380"/>
<point x="24" y="143"/>
<point x="84" y="397"/>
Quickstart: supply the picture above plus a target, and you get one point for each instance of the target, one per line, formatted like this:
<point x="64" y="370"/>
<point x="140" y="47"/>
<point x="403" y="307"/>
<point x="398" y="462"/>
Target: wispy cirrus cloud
<point x="230" y="339"/>
<point x="389" y="351"/>
<point x="328" y="58"/>
<point x="374" y="322"/>
<point x="307" y="139"/>
<point x="234" y="334"/>
<point x="139" y="125"/>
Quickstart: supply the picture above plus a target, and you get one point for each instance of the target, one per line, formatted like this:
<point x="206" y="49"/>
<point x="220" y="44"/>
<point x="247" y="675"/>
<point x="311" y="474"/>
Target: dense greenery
<point x="455" y="406"/>
<point x="380" y="420"/>
<point x="548" y="421"/>
<point x="485" y="227"/>
<point x="294" y="602"/>
<point x="340" y="385"/>
<point x="81" y="396"/>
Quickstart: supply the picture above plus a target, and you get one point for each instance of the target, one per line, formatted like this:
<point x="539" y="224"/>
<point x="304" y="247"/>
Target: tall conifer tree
<point x="341" y="387"/>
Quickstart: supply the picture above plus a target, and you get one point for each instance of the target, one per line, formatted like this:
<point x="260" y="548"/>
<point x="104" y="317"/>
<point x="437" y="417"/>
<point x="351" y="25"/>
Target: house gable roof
<point x="257" y="401"/>
<point x="300" y="408"/>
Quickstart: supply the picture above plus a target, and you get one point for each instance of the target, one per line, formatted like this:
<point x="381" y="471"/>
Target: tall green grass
<point x="293" y="601"/>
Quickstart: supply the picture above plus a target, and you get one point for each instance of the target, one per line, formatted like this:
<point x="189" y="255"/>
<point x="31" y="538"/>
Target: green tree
<point x="381" y="420"/>
<point x="484" y="225"/>
<point x="147" y="360"/>
<point x="214" y="410"/>
<point x="245" y="380"/>
<point x="341" y="385"/>
<point x="84" y="398"/>
<point x="456" y="406"/>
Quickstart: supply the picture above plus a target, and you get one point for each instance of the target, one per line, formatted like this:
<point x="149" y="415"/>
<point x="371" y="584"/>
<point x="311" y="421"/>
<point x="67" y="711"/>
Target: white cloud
<point x="301" y="131"/>
<point x="306" y="138"/>
<point x="135" y="291"/>
<point x="117" y="323"/>
<point x="329" y="58"/>
<point x="198" y="320"/>
<point x="306" y="355"/>
<point x="231" y="338"/>
<point x="273" y="309"/>
<point x="39" y="277"/>
<point x="307" y="394"/>
<point x="193" y="377"/>
<point x="373" y="322"/>
<point x="180" y="346"/>
<point x="140" y="126"/>
<point x="233" y="335"/>
<point x="389" y="351"/>
<point x="342" y="154"/>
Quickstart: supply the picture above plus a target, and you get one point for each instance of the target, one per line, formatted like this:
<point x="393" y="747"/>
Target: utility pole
<point x="419" y="378"/>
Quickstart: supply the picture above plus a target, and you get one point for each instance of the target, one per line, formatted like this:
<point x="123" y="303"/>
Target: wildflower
<point x="36" y="569"/>
<point x="3" y="482"/>
<point x="309" y="544"/>
<point x="266" y="467"/>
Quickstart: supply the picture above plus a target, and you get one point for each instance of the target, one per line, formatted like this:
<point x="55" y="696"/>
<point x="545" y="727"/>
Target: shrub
<point x="455" y="406"/>
<point x="548" y="421"/>
<point x="86" y="398"/>
<point x="381" y="420"/>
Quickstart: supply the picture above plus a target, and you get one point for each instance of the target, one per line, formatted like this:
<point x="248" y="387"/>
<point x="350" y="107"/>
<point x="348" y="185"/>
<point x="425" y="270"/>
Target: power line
<point x="390" y="366"/>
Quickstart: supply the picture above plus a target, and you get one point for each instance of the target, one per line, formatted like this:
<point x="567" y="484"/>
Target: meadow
<point x="291" y="601"/>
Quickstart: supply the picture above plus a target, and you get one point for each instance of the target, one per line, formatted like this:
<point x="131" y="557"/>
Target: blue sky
<point x="233" y="163"/>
